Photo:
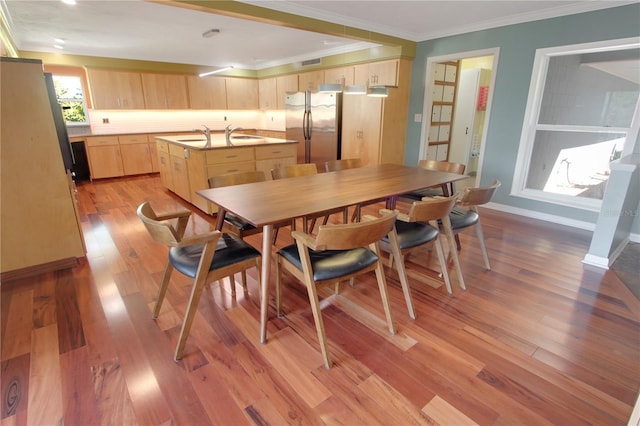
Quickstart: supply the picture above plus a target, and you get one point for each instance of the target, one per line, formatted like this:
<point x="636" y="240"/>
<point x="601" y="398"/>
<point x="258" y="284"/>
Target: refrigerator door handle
<point x="309" y="124"/>
<point x="304" y="125"/>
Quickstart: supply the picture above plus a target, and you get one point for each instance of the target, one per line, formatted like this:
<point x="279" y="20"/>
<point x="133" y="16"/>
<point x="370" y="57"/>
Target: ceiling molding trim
<point x="572" y="9"/>
<point x="241" y="10"/>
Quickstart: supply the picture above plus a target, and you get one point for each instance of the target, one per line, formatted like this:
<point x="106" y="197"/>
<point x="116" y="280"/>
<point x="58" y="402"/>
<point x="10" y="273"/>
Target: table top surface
<point x="269" y="202"/>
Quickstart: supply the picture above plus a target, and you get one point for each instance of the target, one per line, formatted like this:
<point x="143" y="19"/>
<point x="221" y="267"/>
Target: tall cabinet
<point x="375" y="129"/>
<point x="39" y="225"/>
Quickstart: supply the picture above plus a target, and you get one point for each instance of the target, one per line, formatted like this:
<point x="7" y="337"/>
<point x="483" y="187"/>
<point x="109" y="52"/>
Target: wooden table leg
<point x="220" y="218"/>
<point x="267" y="236"/>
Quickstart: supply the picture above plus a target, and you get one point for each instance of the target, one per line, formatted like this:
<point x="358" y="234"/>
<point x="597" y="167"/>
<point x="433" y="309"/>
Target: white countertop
<point x="218" y="141"/>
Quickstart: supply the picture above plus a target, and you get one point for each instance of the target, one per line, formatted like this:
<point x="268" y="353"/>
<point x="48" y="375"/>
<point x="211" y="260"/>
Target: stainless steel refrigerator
<point x="315" y="121"/>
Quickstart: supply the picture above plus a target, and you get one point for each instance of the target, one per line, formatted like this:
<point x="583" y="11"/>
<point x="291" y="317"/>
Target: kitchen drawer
<point x="228" y="155"/>
<point x="177" y="150"/>
<point x="224" y="168"/>
<point x="162" y="146"/>
<point x="102" y="140"/>
<point x="276" y="151"/>
<point x="132" y="139"/>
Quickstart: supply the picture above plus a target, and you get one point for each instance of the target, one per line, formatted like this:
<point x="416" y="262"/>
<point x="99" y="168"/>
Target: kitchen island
<point x="187" y="162"/>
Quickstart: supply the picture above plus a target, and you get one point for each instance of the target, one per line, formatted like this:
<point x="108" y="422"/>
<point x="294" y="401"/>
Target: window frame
<point x="531" y="126"/>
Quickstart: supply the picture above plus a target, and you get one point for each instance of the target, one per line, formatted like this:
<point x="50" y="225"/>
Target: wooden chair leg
<point x="317" y="318"/>
<point x="443" y="264"/>
<point x="483" y="247"/>
<point x="232" y="285"/>
<point x="192" y="308"/>
<point x="458" y="245"/>
<point x="278" y="286"/>
<point x="382" y="285"/>
<point x="162" y="291"/>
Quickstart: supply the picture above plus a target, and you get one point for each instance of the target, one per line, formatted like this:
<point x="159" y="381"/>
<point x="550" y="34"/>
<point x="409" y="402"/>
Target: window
<point x="583" y="103"/>
<point x="70" y="96"/>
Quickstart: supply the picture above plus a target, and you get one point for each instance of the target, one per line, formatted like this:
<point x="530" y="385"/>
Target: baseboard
<point x="597" y="261"/>
<point x="560" y="220"/>
<point x="30" y="271"/>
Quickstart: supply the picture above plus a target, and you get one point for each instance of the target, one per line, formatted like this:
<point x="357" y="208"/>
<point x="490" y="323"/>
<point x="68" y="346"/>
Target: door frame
<point x="426" y="113"/>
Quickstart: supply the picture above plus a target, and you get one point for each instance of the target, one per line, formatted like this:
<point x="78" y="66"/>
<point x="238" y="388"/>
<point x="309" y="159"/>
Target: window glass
<point x="71" y="97"/>
<point x="583" y="103"/>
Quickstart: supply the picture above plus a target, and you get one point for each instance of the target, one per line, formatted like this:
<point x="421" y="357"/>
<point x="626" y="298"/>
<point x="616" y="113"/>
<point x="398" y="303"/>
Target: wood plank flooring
<point x="539" y="339"/>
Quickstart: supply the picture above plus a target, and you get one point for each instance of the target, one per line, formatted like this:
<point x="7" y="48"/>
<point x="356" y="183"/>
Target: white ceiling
<point x="135" y="29"/>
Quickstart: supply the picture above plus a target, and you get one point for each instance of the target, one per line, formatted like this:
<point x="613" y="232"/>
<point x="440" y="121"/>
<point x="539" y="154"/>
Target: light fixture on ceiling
<point x="332" y="87"/>
<point x="70" y="2"/>
<point x="204" y="74"/>
<point x="378" y="92"/>
<point x="211" y="33"/>
<point x="355" y="89"/>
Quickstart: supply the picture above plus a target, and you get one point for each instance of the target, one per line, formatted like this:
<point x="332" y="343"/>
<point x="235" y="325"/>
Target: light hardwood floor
<point x="539" y="339"/>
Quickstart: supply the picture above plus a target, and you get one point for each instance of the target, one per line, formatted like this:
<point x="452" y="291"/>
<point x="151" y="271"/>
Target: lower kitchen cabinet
<point x="276" y="156"/>
<point x="135" y="154"/>
<point x="104" y="157"/>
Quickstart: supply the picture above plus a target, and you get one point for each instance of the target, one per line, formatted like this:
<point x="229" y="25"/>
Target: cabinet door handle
<point x="231" y="156"/>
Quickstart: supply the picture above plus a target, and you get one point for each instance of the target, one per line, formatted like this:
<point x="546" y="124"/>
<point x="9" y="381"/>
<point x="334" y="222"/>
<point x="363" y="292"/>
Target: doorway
<point x="461" y="138"/>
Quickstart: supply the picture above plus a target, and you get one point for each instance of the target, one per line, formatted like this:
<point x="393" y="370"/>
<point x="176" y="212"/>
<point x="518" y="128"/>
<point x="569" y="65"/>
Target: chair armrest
<point x="200" y="238"/>
<point x="305" y="239"/>
<point x="400" y="216"/>
<point x="173" y="215"/>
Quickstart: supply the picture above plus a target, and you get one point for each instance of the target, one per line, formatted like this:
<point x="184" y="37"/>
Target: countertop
<point x="218" y="141"/>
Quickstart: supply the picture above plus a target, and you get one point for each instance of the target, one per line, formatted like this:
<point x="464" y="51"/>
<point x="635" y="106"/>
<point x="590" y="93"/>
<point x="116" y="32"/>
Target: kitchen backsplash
<point x="133" y="121"/>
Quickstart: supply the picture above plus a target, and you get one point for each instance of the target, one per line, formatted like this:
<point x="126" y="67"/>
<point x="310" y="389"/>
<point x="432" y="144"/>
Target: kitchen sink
<point x="241" y="137"/>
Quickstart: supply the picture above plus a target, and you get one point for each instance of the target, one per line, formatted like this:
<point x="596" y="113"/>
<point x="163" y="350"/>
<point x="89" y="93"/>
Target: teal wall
<point x="518" y="44"/>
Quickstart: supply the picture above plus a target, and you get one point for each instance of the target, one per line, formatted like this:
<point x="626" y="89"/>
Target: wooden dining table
<point x="264" y="204"/>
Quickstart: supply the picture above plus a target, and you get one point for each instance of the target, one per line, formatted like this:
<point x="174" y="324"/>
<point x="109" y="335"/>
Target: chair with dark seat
<point x="465" y="214"/>
<point x="307" y="169"/>
<point x="344" y="164"/>
<point x="205" y="258"/>
<point x="338" y="252"/>
<point x="442" y="190"/>
<point x="235" y="224"/>
<point x="420" y="226"/>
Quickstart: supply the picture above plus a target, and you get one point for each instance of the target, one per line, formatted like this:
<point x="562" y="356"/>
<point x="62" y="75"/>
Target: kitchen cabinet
<point x="242" y="93"/>
<point x="164" y="164"/>
<point x="104" y="157"/>
<point x="185" y="170"/>
<point x="164" y="91"/>
<point x="310" y="80"/>
<point x="342" y="75"/>
<point x="135" y="154"/>
<point x="115" y="89"/>
<point x="284" y="84"/>
<point x="207" y="92"/>
<point x="275" y="156"/>
<point x="267" y="93"/>
<point x="153" y="152"/>
<point x="179" y="171"/>
<point x="383" y="73"/>
<point x="40" y="229"/>
<point x="374" y="129"/>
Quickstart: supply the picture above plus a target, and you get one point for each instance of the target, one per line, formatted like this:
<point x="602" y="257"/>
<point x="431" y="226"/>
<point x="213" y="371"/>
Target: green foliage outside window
<point x="71" y="98"/>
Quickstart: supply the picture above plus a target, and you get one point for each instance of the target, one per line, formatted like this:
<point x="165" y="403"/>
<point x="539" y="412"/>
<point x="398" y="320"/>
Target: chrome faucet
<point x="227" y="133"/>
<point x="207" y="134"/>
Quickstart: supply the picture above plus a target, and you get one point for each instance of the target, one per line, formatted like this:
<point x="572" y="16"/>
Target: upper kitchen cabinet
<point x="384" y="73"/>
<point x="242" y="93"/>
<point x="284" y="84"/>
<point x="164" y="91"/>
<point x="343" y="75"/>
<point x="207" y="92"/>
<point x="115" y="89"/>
<point x="310" y="80"/>
<point x="375" y="129"/>
<point x="268" y="93"/>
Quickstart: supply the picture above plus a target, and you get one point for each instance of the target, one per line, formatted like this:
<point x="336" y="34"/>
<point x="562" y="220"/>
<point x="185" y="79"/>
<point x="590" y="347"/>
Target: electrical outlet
<point x="105" y="121"/>
<point x="225" y="118"/>
<point x="417" y="118"/>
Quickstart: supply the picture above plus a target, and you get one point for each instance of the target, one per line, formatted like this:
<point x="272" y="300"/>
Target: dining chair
<point x="465" y="214"/>
<point x="204" y="257"/>
<point x="307" y="169"/>
<point x="344" y="164"/>
<point x="420" y="226"/>
<point x="338" y="252"/>
<point x="444" y="190"/>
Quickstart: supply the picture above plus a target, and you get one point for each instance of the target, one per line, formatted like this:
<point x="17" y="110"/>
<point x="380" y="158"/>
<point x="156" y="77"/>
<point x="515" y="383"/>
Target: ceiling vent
<point x="311" y="62"/>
